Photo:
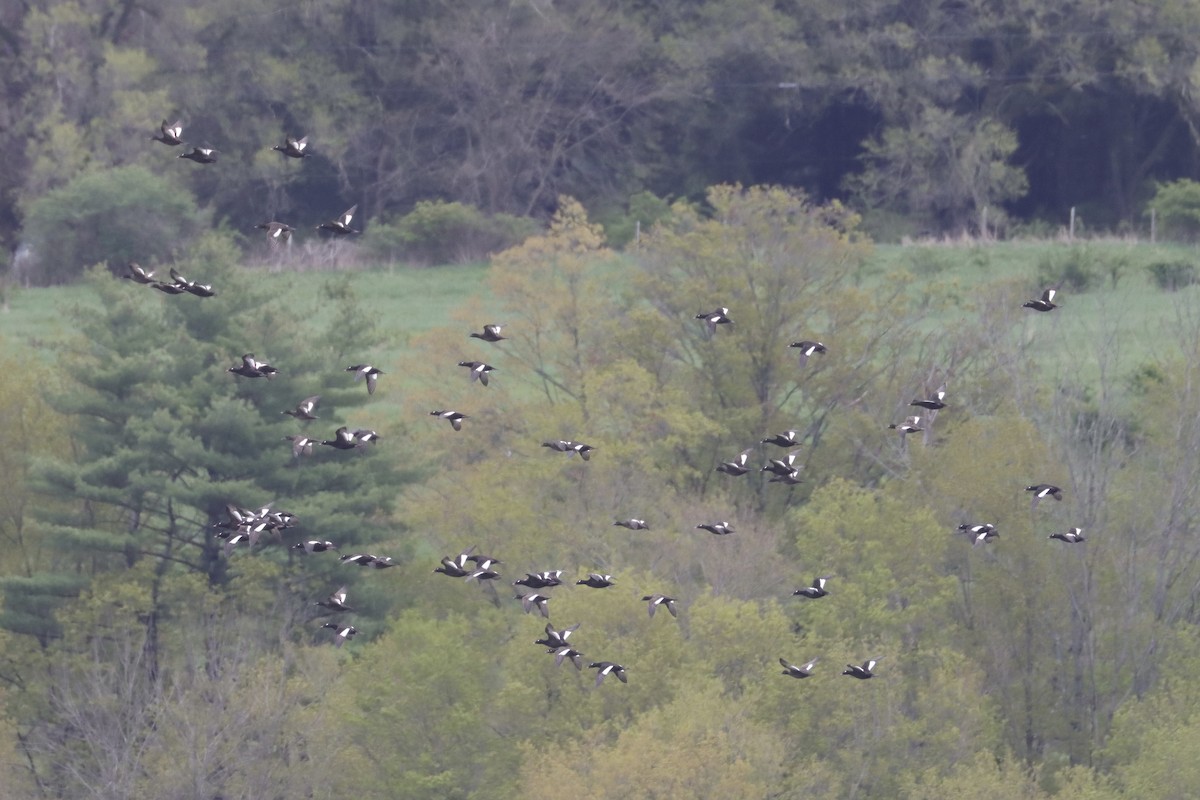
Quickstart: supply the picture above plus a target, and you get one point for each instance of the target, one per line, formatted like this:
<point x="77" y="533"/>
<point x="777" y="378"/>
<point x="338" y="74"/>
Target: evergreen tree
<point x="164" y="437"/>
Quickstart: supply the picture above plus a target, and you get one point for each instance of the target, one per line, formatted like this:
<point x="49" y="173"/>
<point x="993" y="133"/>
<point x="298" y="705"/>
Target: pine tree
<point x="164" y="437"/>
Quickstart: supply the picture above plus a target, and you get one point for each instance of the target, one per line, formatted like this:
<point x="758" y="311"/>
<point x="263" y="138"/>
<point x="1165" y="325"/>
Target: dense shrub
<point x="1177" y="205"/>
<point x="1079" y="268"/>
<point x="436" y="232"/>
<point x="1172" y="275"/>
<point x="621" y="225"/>
<point x="1071" y="270"/>
<point x="117" y="215"/>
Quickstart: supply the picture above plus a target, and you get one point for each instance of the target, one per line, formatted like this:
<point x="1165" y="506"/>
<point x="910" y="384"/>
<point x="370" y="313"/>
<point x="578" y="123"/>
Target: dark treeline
<point x="926" y="112"/>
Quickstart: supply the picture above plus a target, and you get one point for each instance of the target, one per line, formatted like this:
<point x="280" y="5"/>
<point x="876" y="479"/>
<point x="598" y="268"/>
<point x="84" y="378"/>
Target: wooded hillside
<point x="728" y="510"/>
<point x="157" y="641"/>
<point x="922" y="112"/>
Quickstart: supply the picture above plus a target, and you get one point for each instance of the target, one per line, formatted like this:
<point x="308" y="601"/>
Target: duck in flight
<point x="935" y="403"/>
<point x="366" y="372"/>
<point x="305" y="408"/>
<point x="714" y="318"/>
<point x="491" y="333"/>
<point x="455" y="418"/>
<point x="867" y="670"/>
<point x="201" y="155"/>
<point x="294" y="148"/>
<point x="807" y="348"/>
<point x="1072" y="536"/>
<point x="1045" y="302"/>
<point x="341" y="225"/>
<point x="479" y="370"/>
<point x="801" y="671"/>
<point x="1043" y="490"/>
<point x="172" y="133"/>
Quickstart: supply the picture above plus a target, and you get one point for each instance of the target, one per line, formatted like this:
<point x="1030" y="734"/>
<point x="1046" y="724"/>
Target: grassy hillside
<point x="1118" y="324"/>
<point x="404" y="301"/>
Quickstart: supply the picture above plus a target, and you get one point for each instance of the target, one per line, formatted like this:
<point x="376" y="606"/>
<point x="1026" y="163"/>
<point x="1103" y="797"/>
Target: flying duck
<point x="980" y="533"/>
<point x="656" y="600"/>
<point x="934" y="403"/>
<point x="782" y="466"/>
<point x="718" y="528"/>
<point x="294" y="148"/>
<point x="191" y="287"/>
<point x="607" y="667"/>
<point x="910" y="425"/>
<point x="785" y="439"/>
<point x="714" y="318"/>
<point x="633" y="524"/>
<point x="483" y="574"/>
<point x="1043" y="490"/>
<point x="365" y="435"/>
<point x="252" y="368"/>
<point x="462" y="558"/>
<point x="455" y="418"/>
<point x="336" y="601"/>
<point x="491" y="333"/>
<point x="802" y="671"/>
<point x="528" y="601"/>
<point x="570" y="448"/>
<point x="540" y="580"/>
<point x="737" y="466"/>
<point x="596" y="581"/>
<point x="452" y="568"/>
<point x="139" y="275"/>
<point x="366" y="372"/>
<point x="343" y="634"/>
<point x="1045" y="302"/>
<point x="201" y="155"/>
<point x="234" y="540"/>
<point x="304" y="410"/>
<point x="1073" y="536"/>
<point x="479" y="370"/>
<point x="343" y="439"/>
<point x="237" y="515"/>
<point x="314" y="546"/>
<point x="816" y="590"/>
<point x="863" y="672"/>
<point x="806" y="349"/>
<point x="556" y="639"/>
<point x="301" y="445"/>
<point x="368" y="560"/>
<point x="791" y="479"/>
<point x="168" y="288"/>
<point x="172" y="133"/>
<point x="485" y="562"/>
<point x="562" y="653"/>
<point x="277" y="232"/>
<point x="341" y="225"/>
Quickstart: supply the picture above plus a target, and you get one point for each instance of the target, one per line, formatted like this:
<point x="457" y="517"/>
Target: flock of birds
<point x="171" y="134"/>
<point x="245" y="526"/>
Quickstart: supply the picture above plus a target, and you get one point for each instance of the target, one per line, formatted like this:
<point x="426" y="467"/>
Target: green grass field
<point x="404" y="301"/>
<point x="1121" y="323"/>
<point x="1114" y="317"/>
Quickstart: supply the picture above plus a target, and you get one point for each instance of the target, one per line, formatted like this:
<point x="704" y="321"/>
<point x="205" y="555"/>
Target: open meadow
<point x="1112" y="308"/>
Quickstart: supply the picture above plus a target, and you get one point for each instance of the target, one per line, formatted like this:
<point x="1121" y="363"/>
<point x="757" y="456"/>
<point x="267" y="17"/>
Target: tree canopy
<point x="927" y="110"/>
